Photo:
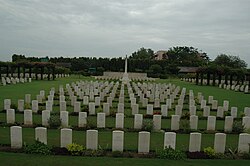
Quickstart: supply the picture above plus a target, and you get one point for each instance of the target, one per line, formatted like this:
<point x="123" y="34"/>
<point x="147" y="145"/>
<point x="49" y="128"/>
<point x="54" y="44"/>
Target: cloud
<point x="114" y="28"/>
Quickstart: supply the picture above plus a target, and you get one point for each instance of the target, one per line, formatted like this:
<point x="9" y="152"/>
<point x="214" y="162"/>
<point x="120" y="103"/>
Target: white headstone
<point x="211" y="122"/>
<point x="206" y="111"/>
<point x="64" y="116"/>
<point x="175" y="120"/>
<point x="27" y="98"/>
<point x="220" y="112"/>
<point x="20" y="105"/>
<point x="63" y="106"/>
<point x="157" y="122"/>
<point x="101" y="120"/>
<point x="243" y="145"/>
<point x="119" y="120"/>
<point x="97" y="101"/>
<point x="45" y="117"/>
<point x="214" y="105"/>
<point x="10" y="116"/>
<point x="192" y="110"/>
<point x="118" y="141"/>
<point x="7" y="104"/>
<point x="28" y="117"/>
<point x="228" y="124"/>
<point x="91" y="108"/>
<point x="135" y="109"/>
<point x="82" y="119"/>
<point x="66" y="137"/>
<point x="164" y="110"/>
<point x="35" y="106"/>
<point x="41" y="134"/>
<point x="106" y="109"/>
<point x="150" y="109"/>
<point x="178" y="110"/>
<point x="193" y="122"/>
<point x="49" y="105"/>
<point x="138" y="118"/>
<point x="220" y="142"/>
<point x="195" y="142"/>
<point x="144" y="142"/>
<point x="77" y="106"/>
<point x="169" y="140"/>
<point x="16" y="137"/>
<point x="92" y="139"/>
<point x="120" y="108"/>
<point x="234" y="111"/>
<point x="246" y="122"/>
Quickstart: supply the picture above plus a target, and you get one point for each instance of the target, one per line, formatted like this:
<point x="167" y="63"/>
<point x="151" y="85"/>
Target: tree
<point x="187" y="56"/>
<point x="230" y="61"/>
<point x="142" y="53"/>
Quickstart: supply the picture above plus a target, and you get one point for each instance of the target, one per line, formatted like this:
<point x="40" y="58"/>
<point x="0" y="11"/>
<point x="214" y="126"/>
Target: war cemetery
<point x="165" y="115"/>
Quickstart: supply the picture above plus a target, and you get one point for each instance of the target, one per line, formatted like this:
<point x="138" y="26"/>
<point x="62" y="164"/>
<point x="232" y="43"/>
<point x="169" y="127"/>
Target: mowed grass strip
<point x="130" y="139"/>
<point x="18" y="91"/>
<point x="236" y="99"/>
<point x="18" y="159"/>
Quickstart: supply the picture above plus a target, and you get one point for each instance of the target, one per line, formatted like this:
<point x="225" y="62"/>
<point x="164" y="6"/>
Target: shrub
<point x="54" y="121"/>
<point x="210" y="152"/>
<point x="227" y="113"/>
<point x="186" y="115"/>
<point x="94" y="153"/>
<point x="75" y="149"/>
<point x="60" y="151"/>
<point x="85" y="108"/>
<point x="99" y="109"/>
<point x="37" y="148"/>
<point x="238" y="127"/>
<point x="185" y="125"/>
<point x="112" y="113"/>
<point x="197" y="155"/>
<point x="242" y="114"/>
<point x="147" y="125"/>
<point x="245" y="156"/>
<point x="172" y="154"/>
<point x="117" y="154"/>
<point x="13" y="106"/>
<point x="157" y="113"/>
<point x="27" y="106"/>
<point x="91" y="124"/>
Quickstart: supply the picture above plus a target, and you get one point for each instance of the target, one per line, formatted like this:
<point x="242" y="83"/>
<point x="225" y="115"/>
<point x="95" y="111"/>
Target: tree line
<point x="143" y="60"/>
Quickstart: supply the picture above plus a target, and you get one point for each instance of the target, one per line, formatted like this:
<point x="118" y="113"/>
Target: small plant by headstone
<point x="117" y="154"/>
<point x="27" y="106"/>
<point x="91" y="124"/>
<point x="238" y="127"/>
<point x="147" y="125"/>
<point x="170" y="153"/>
<point x="185" y="125"/>
<point x="54" y="121"/>
<point x="75" y="149"/>
<point x="210" y="152"/>
<point x="13" y="106"/>
<point x="37" y="148"/>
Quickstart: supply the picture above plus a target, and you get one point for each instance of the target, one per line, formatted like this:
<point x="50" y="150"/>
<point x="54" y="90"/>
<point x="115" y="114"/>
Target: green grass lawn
<point x="236" y="99"/>
<point x="18" y="91"/>
<point x="130" y="139"/>
<point x="15" y="92"/>
<point x="17" y="159"/>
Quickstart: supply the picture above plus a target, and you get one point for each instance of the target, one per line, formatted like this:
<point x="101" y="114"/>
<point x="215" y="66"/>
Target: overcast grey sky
<point x="114" y="28"/>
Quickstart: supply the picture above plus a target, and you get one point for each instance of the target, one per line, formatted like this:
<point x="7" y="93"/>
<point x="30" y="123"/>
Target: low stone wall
<point x="120" y="74"/>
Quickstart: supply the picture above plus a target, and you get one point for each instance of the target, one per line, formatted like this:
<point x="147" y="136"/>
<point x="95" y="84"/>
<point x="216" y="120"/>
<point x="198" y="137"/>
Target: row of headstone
<point x="16" y="138"/>
<point x="119" y="123"/>
<point x="235" y="86"/>
<point x="14" y="81"/>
